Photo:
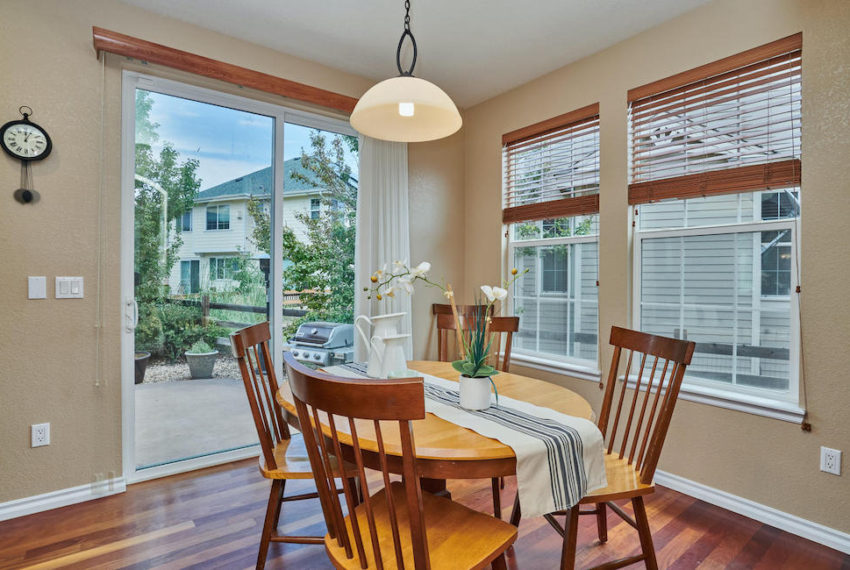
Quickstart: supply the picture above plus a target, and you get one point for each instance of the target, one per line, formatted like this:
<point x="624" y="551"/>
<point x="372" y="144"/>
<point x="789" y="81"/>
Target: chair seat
<point x="623" y="482"/>
<point x="293" y="462"/>
<point x="457" y="536"/>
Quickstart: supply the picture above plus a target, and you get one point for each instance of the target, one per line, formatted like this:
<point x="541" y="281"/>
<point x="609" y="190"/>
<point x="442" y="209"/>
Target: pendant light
<point x="406" y="108"/>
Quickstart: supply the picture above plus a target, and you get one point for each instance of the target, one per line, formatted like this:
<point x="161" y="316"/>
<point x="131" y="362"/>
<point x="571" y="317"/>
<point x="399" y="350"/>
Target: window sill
<point x="573" y="370"/>
<point x="756" y="405"/>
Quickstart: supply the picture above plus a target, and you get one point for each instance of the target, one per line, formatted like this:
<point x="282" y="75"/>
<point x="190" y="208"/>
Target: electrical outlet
<point x="830" y="460"/>
<point x="40" y="435"/>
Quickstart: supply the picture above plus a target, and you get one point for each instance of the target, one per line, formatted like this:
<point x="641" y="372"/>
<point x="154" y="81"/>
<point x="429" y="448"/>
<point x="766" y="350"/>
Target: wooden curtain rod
<point x="128" y="46"/>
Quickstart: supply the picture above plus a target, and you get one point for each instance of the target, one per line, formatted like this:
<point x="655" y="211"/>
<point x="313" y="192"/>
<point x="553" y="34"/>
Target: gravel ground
<point x="160" y="370"/>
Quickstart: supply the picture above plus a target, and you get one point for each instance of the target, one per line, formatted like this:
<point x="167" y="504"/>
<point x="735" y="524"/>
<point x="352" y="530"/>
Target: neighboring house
<point x="218" y="228"/>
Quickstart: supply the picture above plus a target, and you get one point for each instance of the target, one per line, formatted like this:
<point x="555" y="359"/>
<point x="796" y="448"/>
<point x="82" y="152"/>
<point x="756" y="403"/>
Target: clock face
<point x="25" y="140"/>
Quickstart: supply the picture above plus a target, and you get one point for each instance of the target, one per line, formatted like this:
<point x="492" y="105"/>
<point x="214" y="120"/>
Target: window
<point x="218" y="217"/>
<point x="184" y="222"/>
<point x="189" y="276"/>
<point x="551" y="185"/>
<point x="223" y="267"/>
<point x="715" y="174"/>
<point x="315" y="206"/>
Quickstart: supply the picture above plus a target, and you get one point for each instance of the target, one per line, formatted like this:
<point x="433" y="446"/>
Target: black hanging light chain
<point x="406" y="34"/>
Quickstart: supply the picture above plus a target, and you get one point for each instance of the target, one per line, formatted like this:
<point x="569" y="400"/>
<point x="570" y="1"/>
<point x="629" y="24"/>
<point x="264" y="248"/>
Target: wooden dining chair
<point x="399" y="526"/>
<point x="283" y="454"/>
<point x="639" y="423"/>
<point x="446" y="326"/>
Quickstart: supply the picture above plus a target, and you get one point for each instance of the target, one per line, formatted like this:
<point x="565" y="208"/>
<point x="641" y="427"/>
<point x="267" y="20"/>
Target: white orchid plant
<point x="474" y="343"/>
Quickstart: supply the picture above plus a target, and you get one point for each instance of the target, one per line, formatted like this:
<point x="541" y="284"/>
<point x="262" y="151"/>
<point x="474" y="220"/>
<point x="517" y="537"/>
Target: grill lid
<point x="316" y="333"/>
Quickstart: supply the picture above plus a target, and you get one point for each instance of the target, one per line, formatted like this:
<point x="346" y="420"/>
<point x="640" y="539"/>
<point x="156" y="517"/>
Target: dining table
<point x="445" y="450"/>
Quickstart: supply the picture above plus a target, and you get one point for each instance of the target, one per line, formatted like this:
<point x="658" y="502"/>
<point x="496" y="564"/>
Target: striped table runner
<point x="559" y="457"/>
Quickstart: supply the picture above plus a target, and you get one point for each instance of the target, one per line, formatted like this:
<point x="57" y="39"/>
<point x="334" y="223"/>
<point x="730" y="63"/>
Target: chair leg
<point x="568" y="553"/>
<point x="497" y="498"/>
<point x="602" y="521"/>
<point x="516" y="513"/>
<point x="645" y="534"/>
<point x="499" y="563"/>
<point x="501" y="482"/>
<point x="269" y="525"/>
<point x="279" y="507"/>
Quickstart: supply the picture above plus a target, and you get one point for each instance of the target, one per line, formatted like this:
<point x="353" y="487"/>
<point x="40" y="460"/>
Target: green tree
<point x="322" y="266"/>
<point x="153" y="258"/>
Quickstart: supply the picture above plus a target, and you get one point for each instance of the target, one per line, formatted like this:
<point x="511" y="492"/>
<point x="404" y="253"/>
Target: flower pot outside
<point x="201" y="365"/>
<point x="474" y="393"/>
<point x="141" y="365"/>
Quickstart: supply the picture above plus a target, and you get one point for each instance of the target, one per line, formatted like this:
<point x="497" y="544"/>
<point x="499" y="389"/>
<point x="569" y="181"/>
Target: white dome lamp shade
<point x="406" y="108"/>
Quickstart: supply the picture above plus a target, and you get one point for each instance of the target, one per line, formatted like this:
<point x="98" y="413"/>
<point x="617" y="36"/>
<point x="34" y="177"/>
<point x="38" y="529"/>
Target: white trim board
<point x="61" y="498"/>
<point x="768" y="515"/>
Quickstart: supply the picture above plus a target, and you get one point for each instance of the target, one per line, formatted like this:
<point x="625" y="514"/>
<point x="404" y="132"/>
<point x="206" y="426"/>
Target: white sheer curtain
<point x="383" y="229"/>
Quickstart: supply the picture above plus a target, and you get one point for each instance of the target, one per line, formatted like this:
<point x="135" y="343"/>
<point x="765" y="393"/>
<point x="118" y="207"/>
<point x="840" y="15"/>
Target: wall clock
<point x="26" y="141"/>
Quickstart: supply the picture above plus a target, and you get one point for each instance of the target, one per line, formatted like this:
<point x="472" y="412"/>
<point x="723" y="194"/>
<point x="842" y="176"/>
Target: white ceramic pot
<point x="474" y="393"/>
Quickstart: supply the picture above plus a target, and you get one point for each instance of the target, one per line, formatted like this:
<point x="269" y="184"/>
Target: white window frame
<point x="578" y="368"/>
<point x="741" y="398"/>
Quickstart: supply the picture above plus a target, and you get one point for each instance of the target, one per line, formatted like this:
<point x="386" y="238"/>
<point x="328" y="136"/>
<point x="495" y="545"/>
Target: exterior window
<point x="315" y="206"/>
<point x="551" y="184"/>
<point x="218" y="217"/>
<point x="189" y="276"/>
<point x="223" y="267"/>
<point x="557" y="300"/>
<point x="184" y="222"/>
<point x="715" y="178"/>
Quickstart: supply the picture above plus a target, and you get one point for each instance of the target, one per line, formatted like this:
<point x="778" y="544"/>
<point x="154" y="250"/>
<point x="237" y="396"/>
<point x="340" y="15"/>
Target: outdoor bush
<point x="149" y="330"/>
<point x="181" y="328"/>
<point x="200" y="347"/>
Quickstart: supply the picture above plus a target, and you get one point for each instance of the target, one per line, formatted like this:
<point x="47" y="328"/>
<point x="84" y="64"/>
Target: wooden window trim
<point x="537" y="129"/>
<point x="766" y="176"/>
<point x="767" y="51"/>
<point x="129" y="46"/>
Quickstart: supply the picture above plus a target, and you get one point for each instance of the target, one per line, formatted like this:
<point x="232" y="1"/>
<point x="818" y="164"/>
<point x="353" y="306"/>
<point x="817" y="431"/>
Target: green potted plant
<point x="201" y="358"/>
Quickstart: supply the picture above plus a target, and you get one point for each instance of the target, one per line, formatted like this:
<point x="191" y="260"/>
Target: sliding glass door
<point x="224" y="202"/>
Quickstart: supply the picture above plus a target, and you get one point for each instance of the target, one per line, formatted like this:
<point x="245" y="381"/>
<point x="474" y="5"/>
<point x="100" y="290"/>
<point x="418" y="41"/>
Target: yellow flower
<point x="374" y="278"/>
<point x="379" y="297"/>
<point x="514" y="271"/>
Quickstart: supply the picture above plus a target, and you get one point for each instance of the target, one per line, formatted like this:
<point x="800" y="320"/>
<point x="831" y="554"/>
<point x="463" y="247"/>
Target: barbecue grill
<point x="323" y="343"/>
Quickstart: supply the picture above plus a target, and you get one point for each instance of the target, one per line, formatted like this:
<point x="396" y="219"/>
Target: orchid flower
<point x="421" y="269"/>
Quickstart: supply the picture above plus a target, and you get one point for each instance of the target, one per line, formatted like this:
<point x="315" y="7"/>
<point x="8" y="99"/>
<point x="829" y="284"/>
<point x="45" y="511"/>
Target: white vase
<point x="474" y="393"/>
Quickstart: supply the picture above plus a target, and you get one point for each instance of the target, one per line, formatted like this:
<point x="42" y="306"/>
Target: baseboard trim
<point x="784" y="521"/>
<point x="61" y="498"/>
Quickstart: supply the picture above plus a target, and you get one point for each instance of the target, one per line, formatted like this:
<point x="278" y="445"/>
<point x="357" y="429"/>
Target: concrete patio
<point x="191" y="418"/>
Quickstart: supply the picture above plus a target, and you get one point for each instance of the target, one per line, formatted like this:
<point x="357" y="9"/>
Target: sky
<point x="227" y="143"/>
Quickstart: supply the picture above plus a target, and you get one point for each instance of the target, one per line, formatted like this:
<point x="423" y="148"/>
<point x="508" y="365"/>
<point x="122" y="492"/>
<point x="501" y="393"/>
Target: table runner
<point x="560" y="458"/>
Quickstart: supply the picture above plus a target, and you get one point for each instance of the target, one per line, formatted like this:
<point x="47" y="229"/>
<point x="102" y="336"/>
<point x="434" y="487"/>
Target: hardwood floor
<point x="212" y="519"/>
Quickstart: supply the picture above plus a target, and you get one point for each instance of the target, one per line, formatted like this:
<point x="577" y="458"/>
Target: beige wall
<point x="52" y="367"/>
<point x="768" y="461"/>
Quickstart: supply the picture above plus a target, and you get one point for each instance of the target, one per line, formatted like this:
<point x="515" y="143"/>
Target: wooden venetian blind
<point x="729" y="126"/>
<point x="551" y="169"/>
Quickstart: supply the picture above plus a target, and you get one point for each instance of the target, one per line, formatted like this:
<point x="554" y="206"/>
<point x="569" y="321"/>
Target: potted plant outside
<point x="201" y="358"/>
<point x="141" y="359"/>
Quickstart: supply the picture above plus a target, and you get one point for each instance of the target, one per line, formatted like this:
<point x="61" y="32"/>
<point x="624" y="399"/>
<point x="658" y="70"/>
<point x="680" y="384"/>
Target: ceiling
<point x="473" y="49"/>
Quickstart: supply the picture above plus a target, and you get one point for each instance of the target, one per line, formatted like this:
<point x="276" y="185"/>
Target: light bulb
<point x="405" y="109"/>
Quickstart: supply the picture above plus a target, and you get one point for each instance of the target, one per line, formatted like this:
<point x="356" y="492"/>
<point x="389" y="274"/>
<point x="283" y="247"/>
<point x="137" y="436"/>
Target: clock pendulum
<point x="25" y="141"/>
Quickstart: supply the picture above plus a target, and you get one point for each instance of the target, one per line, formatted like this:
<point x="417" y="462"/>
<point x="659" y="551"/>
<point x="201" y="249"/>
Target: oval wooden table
<point x="445" y="450"/>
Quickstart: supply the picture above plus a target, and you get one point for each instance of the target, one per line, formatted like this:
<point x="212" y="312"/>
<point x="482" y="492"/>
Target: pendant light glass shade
<point x="406" y="109"/>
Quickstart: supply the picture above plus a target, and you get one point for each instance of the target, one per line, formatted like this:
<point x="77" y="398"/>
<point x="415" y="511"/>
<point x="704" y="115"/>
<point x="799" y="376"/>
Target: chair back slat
<point x="328" y="407"/>
<point x="501" y="354"/>
<point x="649" y="431"/>
<point x="446" y="325"/>
<point x="250" y="347"/>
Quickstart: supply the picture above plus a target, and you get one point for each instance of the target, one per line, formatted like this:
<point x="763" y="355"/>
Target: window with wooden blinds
<point x="551" y="169"/>
<point x="726" y="127"/>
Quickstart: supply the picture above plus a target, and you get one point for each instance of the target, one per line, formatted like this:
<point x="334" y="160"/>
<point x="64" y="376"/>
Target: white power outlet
<point x="40" y="435"/>
<point x="830" y="460"/>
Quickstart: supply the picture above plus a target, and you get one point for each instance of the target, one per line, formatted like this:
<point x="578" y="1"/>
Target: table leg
<point x="435" y="487"/>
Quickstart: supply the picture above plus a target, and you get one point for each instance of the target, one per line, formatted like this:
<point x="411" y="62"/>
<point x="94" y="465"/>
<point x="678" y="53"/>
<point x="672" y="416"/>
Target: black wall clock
<point x="24" y="140"/>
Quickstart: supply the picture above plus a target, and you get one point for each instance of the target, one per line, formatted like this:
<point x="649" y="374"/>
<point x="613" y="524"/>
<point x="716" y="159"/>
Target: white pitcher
<point x="390" y="357"/>
<point x="384" y="326"/>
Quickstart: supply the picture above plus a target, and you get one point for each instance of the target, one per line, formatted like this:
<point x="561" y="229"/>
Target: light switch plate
<point x="37" y="287"/>
<point x="69" y="287"/>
